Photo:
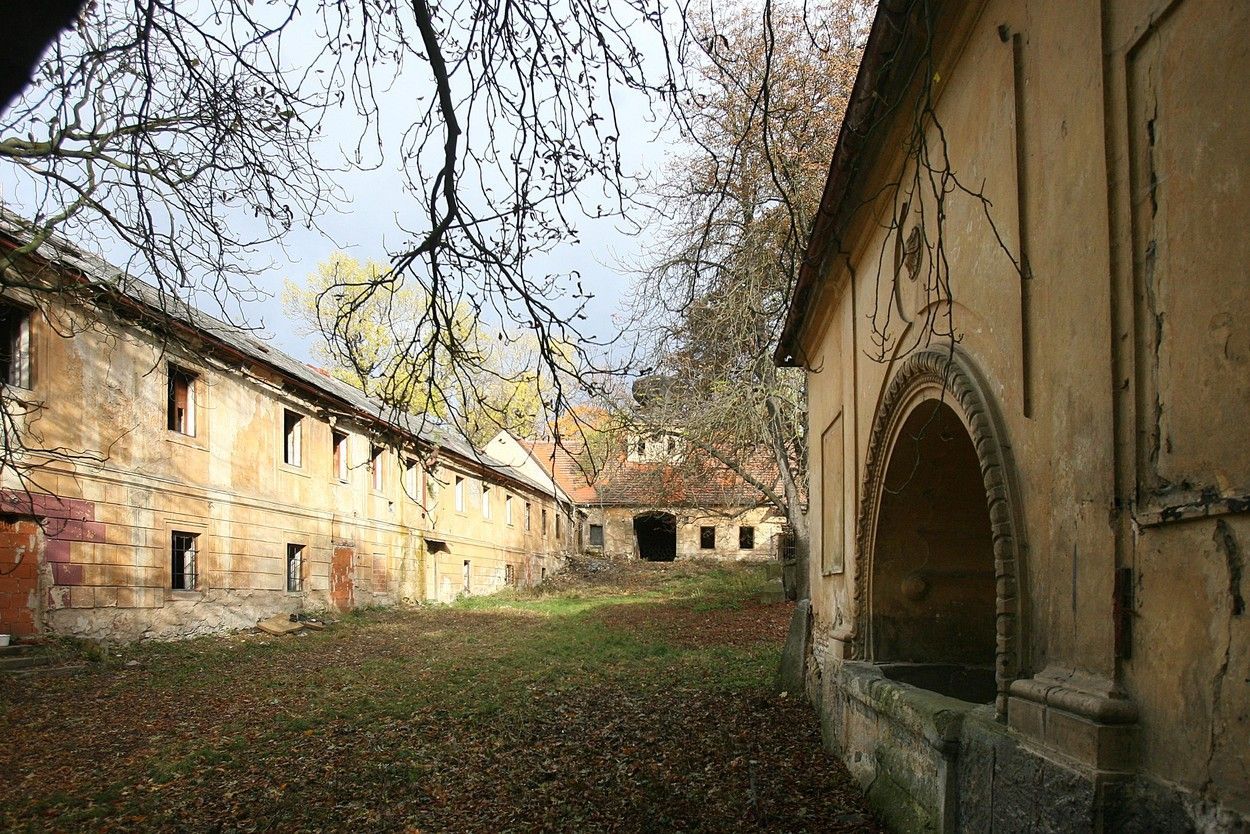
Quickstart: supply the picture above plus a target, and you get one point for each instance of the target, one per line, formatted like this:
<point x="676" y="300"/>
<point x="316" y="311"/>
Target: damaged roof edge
<point x="240" y="343"/>
<point x="882" y="56"/>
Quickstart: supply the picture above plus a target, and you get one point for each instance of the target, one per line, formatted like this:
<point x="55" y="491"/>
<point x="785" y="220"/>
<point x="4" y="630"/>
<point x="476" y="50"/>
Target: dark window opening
<point x="292" y="434"/>
<point x="468" y="584"/>
<point x="509" y="575"/>
<point x="746" y="538"/>
<point x="14" y="345"/>
<point x="544" y="520"/>
<point x="338" y="441"/>
<point x="596" y="535"/>
<point x="180" y="413"/>
<point x="528" y="513"/>
<point x="375" y="466"/>
<point x="295" y="567"/>
<point x="182" y="561"/>
<point x="707" y="538"/>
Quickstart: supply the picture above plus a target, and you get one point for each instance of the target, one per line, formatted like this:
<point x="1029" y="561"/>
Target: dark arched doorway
<point x="933" y="590"/>
<point x="656" y="534"/>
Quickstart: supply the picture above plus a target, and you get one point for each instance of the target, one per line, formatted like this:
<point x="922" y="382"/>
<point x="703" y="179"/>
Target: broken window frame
<point x="707" y="537"/>
<point x="183" y="558"/>
<point x="377" y="466"/>
<point x="746" y="537"/>
<point x="14" y="345"/>
<point x="338" y="454"/>
<point x="294" y="568"/>
<point x="292" y="438"/>
<point x="180" y="384"/>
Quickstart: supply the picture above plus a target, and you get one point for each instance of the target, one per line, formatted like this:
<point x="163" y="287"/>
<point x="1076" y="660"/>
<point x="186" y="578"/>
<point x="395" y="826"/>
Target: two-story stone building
<point x="175" y="475"/>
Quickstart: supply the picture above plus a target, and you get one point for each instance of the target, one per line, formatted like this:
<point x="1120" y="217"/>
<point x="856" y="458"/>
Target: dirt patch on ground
<point x="749" y="625"/>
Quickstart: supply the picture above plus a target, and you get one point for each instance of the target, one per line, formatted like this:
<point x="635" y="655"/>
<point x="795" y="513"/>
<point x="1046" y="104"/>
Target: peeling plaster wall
<point x="1110" y="140"/>
<point x="105" y="565"/>
<point x="619" y="540"/>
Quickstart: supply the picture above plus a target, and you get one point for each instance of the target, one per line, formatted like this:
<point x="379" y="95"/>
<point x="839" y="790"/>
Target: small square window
<point x="707" y="538"/>
<point x="295" y="567"/>
<point x="746" y="538"/>
<point x="338" y="443"/>
<point x="14" y="345"/>
<point x="376" y="461"/>
<point x="182" y="561"/>
<point x="596" y="535"/>
<point x="180" y="412"/>
<point x="292" y="438"/>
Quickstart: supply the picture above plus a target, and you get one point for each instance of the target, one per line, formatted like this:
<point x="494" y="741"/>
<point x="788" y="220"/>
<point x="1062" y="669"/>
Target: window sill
<point x="179" y="595"/>
<point x="187" y="441"/>
<point x="293" y="470"/>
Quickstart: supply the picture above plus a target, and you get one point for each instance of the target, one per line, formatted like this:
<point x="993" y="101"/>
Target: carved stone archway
<point x="949" y="378"/>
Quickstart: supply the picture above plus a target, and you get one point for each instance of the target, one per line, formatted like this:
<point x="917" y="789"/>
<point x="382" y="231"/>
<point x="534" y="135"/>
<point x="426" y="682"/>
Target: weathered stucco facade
<point x="206" y="480"/>
<point x="1027" y="599"/>
<point x="749" y="534"/>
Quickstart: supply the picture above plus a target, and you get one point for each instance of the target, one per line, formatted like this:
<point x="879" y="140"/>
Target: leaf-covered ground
<point x="634" y="698"/>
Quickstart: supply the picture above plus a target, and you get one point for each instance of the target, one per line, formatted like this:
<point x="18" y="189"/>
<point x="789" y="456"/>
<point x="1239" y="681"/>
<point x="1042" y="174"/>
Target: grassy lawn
<point x="638" y="698"/>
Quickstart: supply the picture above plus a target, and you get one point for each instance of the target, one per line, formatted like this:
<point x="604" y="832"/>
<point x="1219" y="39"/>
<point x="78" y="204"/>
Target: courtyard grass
<point x="637" y="699"/>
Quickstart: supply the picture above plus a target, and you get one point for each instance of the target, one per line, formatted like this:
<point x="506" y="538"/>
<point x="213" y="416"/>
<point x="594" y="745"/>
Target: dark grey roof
<point x="57" y="251"/>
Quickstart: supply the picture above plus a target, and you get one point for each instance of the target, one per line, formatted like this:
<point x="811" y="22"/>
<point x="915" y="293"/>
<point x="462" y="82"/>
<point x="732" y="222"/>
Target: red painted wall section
<point x="19" y="577"/>
<point x="64" y="520"/>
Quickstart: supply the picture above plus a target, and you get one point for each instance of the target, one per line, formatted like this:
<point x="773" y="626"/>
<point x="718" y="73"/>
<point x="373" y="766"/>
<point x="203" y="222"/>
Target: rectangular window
<point x="509" y="575"/>
<point x="707" y="538"/>
<point x="14" y="345"/>
<point x="485" y="500"/>
<point x="507" y="509"/>
<point x="557" y="525"/>
<point x="293" y="438"/>
<point x="180" y="413"/>
<point x="468" y="583"/>
<point x="410" y="478"/>
<point x="746" y="538"/>
<point x="338" y="441"/>
<point x="529" y="512"/>
<point x="544" y="521"/>
<point x="459" y="494"/>
<point x="182" y="561"/>
<point x="295" y="567"/>
<point x="376" y="461"/>
<point x="596" y="535"/>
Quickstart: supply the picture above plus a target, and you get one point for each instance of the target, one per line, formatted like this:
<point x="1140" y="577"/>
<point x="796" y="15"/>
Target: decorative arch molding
<point x="947" y="376"/>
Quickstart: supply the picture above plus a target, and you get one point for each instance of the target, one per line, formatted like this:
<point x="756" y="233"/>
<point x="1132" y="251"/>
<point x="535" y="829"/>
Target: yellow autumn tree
<point x="398" y="345"/>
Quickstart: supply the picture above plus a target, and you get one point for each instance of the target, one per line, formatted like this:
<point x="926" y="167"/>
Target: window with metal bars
<point x="295" y="567"/>
<point x="182" y="560"/>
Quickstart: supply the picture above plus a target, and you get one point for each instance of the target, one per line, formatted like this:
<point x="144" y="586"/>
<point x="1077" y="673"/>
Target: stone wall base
<point x="930" y="763"/>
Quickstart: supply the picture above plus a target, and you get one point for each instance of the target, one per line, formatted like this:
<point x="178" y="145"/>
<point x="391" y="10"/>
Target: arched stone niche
<point x="938" y="576"/>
